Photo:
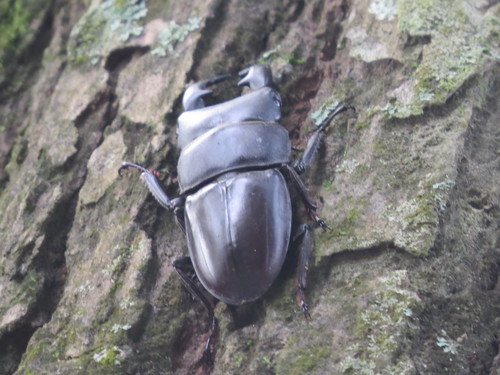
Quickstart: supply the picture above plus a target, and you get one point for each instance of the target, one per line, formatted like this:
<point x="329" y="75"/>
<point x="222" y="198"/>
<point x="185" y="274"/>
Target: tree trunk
<point x="405" y="281"/>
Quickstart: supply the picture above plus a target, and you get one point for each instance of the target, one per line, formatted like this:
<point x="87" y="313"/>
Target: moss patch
<point x="103" y="28"/>
<point x="302" y="360"/>
<point x="15" y="19"/>
<point x="460" y="40"/>
<point x="381" y="329"/>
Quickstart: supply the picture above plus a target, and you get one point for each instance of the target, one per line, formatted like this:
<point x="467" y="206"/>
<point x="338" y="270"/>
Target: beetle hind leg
<point x="306" y="246"/>
<point x="185" y="270"/>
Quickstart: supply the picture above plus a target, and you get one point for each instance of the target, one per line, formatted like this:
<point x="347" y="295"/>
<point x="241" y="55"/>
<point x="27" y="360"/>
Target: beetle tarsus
<point x="301" y="301"/>
<point x="207" y="351"/>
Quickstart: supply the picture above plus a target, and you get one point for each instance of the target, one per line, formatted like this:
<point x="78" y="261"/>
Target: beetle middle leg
<point x="185" y="269"/>
<point x="304" y="195"/>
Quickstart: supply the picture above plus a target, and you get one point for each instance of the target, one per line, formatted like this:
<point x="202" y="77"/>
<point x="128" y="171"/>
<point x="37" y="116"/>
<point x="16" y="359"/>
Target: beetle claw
<point x="305" y="310"/>
<point x="323" y="225"/>
<point x="318" y="220"/>
<point x="301" y="301"/>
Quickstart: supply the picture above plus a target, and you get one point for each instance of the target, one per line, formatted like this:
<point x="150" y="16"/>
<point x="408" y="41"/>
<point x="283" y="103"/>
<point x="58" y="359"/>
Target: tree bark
<point x="405" y="281"/>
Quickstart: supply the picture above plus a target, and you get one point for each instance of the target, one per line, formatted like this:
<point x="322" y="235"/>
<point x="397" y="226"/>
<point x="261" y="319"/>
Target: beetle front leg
<point x="150" y="177"/>
<point x="184" y="268"/>
<point x="313" y="143"/>
<point x="305" y="254"/>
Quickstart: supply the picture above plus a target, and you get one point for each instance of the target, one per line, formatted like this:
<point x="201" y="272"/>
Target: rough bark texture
<point x="406" y="280"/>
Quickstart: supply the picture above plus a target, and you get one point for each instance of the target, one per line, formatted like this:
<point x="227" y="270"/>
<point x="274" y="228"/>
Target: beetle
<point x="234" y="204"/>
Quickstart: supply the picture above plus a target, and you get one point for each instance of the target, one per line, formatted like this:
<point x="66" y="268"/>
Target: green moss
<point x="344" y="225"/>
<point x="381" y="327"/>
<point x="461" y="40"/>
<point x="327" y="185"/>
<point x="240" y="357"/>
<point x="15" y="19"/>
<point x="360" y="173"/>
<point x="17" y="156"/>
<point x="344" y="228"/>
<point x="301" y="360"/>
<point x="108" y="356"/>
<point x="283" y="302"/>
<point x="309" y="360"/>
<point x="288" y="57"/>
<point x="33" y="353"/>
<point x="103" y="28"/>
<point x="418" y="217"/>
<point x="29" y="289"/>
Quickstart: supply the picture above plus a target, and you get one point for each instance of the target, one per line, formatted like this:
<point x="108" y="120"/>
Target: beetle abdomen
<point x="238" y="230"/>
<point x="231" y="147"/>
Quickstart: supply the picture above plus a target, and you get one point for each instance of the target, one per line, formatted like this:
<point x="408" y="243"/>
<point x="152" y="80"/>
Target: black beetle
<point x="234" y="204"/>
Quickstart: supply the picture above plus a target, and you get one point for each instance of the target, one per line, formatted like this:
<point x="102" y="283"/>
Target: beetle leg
<point x="303" y="192"/>
<point x="179" y="214"/>
<point x="150" y="177"/>
<point x="184" y="268"/>
<point x="153" y="184"/>
<point x="313" y="142"/>
<point x="305" y="254"/>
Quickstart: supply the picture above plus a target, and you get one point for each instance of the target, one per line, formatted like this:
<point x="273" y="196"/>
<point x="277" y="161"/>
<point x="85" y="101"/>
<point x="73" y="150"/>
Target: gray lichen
<point x="173" y="34"/>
